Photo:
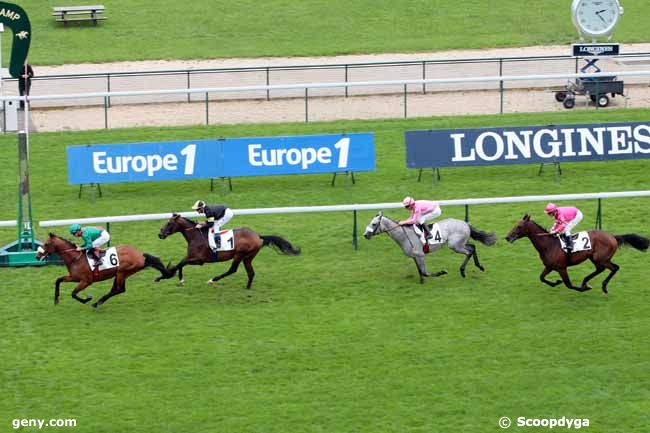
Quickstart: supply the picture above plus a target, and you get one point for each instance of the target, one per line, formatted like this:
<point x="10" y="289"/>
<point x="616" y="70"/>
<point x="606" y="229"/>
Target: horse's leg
<point x="542" y="277"/>
<point x="115" y="290"/>
<point x="82" y="285"/>
<point x="179" y="268"/>
<point x="599" y="268"/>
<point x="419" y="271"/>
<point x="57" y="286"/>
<point x="567" y="281"/>
<point x="419" y="261"/>
<point x="613" y="267"/>
<point x="476" y="261"/>
<point x="248" y="264"/>
<point x="233" y="268"/>
<point x="462" y="249"/>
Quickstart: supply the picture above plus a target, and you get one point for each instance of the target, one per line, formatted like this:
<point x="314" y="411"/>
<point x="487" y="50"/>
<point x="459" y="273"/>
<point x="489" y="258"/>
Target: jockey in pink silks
<point x="421" y="212"/>
<point x="566" y="218"/>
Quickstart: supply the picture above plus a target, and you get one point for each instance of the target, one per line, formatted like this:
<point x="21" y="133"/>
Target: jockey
<point x="217" y="215"/>
<point x="421" y="212"/>
<point x="566" y="218"/>
<point x="94" y="237"/>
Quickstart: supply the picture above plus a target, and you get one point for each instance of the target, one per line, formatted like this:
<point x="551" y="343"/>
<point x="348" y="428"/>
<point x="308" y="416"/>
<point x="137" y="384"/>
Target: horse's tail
<point x="634" y="240"/>
<point x="153" y="261"/>
<point x="280" y="244"/>
<point x="481" y="236"/>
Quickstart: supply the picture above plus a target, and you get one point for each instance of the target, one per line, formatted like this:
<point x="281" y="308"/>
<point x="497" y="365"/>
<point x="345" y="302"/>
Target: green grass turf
<point x="166" y="29"/>
<point x="334" y="340"/>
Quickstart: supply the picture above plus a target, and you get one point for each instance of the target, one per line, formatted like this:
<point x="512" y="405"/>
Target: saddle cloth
<point x="110" y="259"/>
<point x="581" y="242"/>
<point x="436" y="234"/>
<point x="227" y="240"/>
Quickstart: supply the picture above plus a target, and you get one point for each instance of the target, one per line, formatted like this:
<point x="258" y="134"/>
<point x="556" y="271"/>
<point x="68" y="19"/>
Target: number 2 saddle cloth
<point x="581" y="242"/>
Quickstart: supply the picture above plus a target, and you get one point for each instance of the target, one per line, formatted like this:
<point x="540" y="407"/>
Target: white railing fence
<point x="360" y="207"/>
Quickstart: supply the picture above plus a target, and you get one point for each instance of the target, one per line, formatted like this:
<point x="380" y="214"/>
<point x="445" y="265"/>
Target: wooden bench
<point x="66" y="14"/>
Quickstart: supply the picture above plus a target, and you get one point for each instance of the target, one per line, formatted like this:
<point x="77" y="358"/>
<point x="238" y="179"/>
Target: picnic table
<point x="66" y="14"/>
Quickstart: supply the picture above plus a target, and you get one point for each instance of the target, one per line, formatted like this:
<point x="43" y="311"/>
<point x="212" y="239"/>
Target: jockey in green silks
<point x="93" y="237"/>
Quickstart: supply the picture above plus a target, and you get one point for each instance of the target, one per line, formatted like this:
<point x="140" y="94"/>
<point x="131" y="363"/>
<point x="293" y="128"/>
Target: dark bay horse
<point x="247" y="244"/>
<point x="603" y="248"/>
<point x="130" y="261"/>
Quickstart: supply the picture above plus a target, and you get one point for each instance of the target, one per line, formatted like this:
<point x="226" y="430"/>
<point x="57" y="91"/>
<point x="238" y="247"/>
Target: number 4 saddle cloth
<point x="436" y="235"/>
<point x="581" y="242"/>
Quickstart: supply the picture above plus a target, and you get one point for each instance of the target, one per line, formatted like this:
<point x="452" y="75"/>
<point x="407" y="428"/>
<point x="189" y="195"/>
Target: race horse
<point x="455" y="233"/>
<point x="130" y="261"/>
<point x="603" y="248"/>
<point x="247" y="244"/>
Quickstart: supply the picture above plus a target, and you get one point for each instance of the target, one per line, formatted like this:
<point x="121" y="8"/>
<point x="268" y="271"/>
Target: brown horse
<point x="130" y="262"/>
<point x="247" y="244"/>
<point x="603" y="247"/>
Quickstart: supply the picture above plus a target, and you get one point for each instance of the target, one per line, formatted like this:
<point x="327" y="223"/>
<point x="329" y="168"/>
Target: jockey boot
<point x="568" y="242"/>
<point x="94" y="254"/>
<point x="217" y="240"/>
<point x="427" y="232"/>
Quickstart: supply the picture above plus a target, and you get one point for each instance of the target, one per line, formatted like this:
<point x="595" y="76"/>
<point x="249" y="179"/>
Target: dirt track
<point x="322" y="108"/>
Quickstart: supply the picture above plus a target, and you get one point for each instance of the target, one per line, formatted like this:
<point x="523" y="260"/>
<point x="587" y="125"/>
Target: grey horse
<point x="455" y="233"/>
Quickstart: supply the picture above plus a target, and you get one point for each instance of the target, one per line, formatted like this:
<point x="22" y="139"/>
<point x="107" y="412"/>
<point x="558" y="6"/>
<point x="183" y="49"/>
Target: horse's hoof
<point x="482" y="268"/>
<point x="94" y="305"/>
<point x="181" y="283"/>
<point x="462" y="273"/>
<point x="156" y="280"/>
<point x="605" y="290"/>
<point x="210" y="282"/>
<point x="443" y="272"/>
<point x="89" y="297"/>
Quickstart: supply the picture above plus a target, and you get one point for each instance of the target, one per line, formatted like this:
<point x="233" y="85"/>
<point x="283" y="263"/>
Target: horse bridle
<point x="374" y="231"/>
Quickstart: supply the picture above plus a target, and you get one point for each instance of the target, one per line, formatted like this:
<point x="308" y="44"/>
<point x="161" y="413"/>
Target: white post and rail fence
<point x="354" y="208"/>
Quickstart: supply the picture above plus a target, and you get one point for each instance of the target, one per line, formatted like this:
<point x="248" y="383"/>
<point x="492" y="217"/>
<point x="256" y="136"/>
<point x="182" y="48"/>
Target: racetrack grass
<point x="203" y="29"/>
<point x="334" y="340"/>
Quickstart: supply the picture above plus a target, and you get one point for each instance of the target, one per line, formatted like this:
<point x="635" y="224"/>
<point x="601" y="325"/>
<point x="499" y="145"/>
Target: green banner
<point x="15" y="17"/>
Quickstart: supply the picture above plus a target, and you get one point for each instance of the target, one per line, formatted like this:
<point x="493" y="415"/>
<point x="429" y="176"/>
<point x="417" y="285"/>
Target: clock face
<point x="596" y="17"/>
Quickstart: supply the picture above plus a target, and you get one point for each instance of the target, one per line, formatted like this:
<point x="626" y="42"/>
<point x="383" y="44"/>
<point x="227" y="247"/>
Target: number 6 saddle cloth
<point x="581" y="242"/>
<point x="109" y="259"/>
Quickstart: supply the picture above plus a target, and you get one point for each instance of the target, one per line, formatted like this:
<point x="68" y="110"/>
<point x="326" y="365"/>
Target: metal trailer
<point x="596" y="88"/>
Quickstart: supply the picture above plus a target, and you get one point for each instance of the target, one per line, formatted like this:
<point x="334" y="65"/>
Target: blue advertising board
<point x="527" y="144"/>
<point x="232" y="157"/>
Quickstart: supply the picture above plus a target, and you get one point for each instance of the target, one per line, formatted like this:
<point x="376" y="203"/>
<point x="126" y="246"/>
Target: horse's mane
<point x="184" y="218"/>
<point x="69" y="243"/>
<point x="540" y="227"/>
<point x="189" y="220"/>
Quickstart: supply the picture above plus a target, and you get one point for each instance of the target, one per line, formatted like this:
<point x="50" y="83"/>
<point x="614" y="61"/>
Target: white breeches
<point x="102" y="239"/>
<point x="429" y="216"/>
<point x="571" y="224"/>
<point x="227" y="216"/>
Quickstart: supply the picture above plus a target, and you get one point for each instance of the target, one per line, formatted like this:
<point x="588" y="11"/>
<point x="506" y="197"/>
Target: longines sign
<point x="529" y="144"/>
<point x="595" y="50"/>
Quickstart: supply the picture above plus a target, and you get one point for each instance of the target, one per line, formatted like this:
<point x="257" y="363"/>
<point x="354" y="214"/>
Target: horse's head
<point x="172" y="226"/>
<point x="51" y="245"/>
<point x="374" y="226"/>
<point x="520" y="230"/>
